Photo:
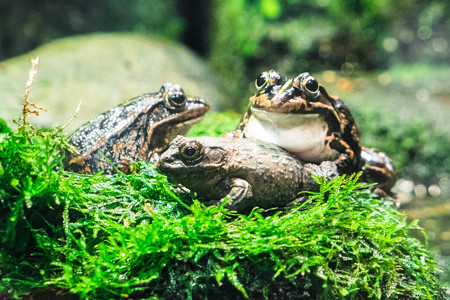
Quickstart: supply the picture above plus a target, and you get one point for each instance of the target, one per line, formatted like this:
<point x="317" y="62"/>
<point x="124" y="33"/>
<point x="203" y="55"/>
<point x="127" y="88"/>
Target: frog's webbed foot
<point x="385" y="193"/>
<point x="239" y="192"/>
<point x="384" y="179"/>
<point x="153" y="157"/>
<point x="235" y="134"/>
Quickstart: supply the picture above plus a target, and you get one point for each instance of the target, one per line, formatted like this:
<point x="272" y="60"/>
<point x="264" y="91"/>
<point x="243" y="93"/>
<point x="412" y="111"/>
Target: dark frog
<point x="139" y="129"/>
<point x="247" y="172"/>
<point x="300" y="116"/>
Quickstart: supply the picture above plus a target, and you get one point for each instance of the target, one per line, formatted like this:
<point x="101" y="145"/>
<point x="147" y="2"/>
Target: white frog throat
<point x="302" y="134"/>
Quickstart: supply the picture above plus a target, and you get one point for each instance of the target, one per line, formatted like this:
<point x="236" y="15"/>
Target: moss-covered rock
<point x="102" y="70"/>
<point x="136" y="236"/>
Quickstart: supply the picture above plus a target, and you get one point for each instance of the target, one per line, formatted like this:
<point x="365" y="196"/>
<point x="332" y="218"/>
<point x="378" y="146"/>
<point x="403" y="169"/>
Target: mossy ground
<point x="137" y="236"/>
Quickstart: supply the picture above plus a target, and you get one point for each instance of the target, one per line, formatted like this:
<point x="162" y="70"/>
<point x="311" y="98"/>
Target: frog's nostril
<point x="164" y="163"/>
<point x="166" y="159"/>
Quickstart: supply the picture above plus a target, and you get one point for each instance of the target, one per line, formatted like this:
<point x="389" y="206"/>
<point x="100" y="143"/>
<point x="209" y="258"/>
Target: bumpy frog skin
<point x="248" y="172"/>
<point x="138" y="129"/>
<point x="298" y="115"/>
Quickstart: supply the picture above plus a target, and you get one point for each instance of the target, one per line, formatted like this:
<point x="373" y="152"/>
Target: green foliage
<point x="419" y="151"/>
<point x="285" y="35"/>
<point x="132" y="236"/>
<point x="296" y="36"/>
<point x="395" y="118"/>
<point x="30" y="202"/>
<point x="43" y="210"/>
<point x="271" y="8"/>
<point x="4" y="127"/>
<point x="27" y="182"/>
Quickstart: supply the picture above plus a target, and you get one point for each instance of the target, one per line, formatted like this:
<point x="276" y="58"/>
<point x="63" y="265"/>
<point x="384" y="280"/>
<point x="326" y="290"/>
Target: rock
<point x="102" y="70"/>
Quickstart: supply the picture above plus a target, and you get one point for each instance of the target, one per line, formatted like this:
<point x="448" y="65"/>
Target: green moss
<point x="215" y="124"/>
<point x="4" y="127"/>
<point x="138" y="236"/>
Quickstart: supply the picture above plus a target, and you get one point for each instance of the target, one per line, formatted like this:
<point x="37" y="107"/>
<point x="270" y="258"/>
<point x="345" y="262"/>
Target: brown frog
<point x="139" y="129"/>
<point x="248" y="172"/>
<point x="298" y="115"/>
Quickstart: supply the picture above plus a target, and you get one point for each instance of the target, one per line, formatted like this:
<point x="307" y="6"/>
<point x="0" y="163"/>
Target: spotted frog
<point x="247" y="172"/>
<point x="298" y="115"/>
<point x="139" y="129"/>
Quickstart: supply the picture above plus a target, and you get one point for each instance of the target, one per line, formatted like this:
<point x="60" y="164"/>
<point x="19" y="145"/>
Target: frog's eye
<point x="311" y="85"/>
<point x="173" y="95"/>
<point x="308" y="84"/>
<point x="266" y="79"/>
<point x="176" y="100"/>
<point x="191" y="151"/>
<point x="262" y="81"/>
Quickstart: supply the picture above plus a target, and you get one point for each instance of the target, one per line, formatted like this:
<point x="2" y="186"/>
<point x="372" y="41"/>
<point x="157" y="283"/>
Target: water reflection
<point x="407" y="190"/>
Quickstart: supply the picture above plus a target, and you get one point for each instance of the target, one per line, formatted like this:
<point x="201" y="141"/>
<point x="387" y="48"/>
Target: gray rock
<point x="102" y="70"/>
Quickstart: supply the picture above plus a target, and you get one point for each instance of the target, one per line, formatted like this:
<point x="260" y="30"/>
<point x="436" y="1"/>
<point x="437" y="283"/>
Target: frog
<point x="138" y="129"/>
<point x="240" y="173"/>
<point x="299" y="115"/>
<point x="379" y="169"/>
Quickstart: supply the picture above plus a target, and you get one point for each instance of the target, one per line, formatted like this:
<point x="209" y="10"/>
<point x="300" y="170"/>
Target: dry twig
<point x="26" y="103"/>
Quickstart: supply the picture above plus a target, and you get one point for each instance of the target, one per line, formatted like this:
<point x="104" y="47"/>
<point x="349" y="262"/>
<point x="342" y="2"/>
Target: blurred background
<point x="388" y="60"/>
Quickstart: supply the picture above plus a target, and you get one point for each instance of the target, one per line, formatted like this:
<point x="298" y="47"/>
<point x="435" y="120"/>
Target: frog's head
<point x="176" y="103"/>
<point x="280" y="94"/>
<point x="192" y="161"/>
<point x="173" y="114"/>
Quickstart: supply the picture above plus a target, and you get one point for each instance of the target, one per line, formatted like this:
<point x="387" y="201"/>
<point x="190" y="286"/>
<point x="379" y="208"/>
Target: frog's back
<point x="118" y="134"/>
<point x="110" y="123"/>
<point x="274" y="174"/>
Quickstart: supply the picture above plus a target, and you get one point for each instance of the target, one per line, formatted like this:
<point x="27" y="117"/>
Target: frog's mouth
<point x="181" y="127"/>
<point x="195" y="110"/>
<point x="296" y="106"/>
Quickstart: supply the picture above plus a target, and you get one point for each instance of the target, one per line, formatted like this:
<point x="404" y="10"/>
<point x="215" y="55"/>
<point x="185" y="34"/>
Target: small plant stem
<point x="26" y="103"/>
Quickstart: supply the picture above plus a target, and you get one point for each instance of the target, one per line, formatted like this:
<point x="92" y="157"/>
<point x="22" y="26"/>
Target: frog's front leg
<point x="239" y="131"/>
<point x="237" y="134"/>
<point x="239" y="190"/>
<point x="346" y="161"/>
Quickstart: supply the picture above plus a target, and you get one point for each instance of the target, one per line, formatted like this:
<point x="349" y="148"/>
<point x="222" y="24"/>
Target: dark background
<point x="241" y="37"/>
